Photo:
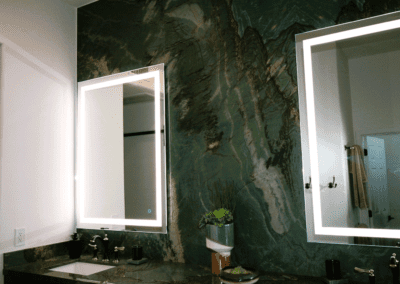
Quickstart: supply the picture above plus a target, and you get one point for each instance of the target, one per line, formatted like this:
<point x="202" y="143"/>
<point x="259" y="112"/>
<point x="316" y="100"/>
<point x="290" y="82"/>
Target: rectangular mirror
<point x="349" y="82"/>
<point x="121" y="152"/>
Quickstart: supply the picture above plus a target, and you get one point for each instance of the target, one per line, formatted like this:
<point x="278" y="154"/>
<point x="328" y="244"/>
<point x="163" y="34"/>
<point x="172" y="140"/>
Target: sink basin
<point x="82" y="268"/>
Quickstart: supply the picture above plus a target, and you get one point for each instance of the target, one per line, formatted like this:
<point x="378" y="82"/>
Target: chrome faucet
<point x="94" y="251"/>
<point x="116" y="250"/>
<point x="105" y="246"/>
<point x="394" y="267"/>
<point x="369" y="271"/>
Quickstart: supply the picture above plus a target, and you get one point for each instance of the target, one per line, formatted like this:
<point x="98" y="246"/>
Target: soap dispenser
<point x="75" y="247"/>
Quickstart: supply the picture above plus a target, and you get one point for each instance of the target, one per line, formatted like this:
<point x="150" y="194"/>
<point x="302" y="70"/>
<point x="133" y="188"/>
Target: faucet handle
<point x="360" y="270"/>
<point x="119" y="249"/>
<point x="105" y="238"/>
<point x="94" y="252"/>
<point x="393" y="261"/>
<point x="94" y="238"/>
<point x="369" y="271"/>
<point x="116" y="250"/>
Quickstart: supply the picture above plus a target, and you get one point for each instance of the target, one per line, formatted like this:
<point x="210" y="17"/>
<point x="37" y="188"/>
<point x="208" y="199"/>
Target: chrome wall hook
<point x="333" y="184"/>
<point x="308" y="185"/>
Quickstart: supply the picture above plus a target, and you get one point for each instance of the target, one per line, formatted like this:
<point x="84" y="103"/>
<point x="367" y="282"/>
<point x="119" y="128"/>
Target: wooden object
<point x="215" y="259"/>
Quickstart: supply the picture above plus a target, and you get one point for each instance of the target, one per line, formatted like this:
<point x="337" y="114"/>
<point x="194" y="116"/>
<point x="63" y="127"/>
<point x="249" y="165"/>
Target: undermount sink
<point x="82" y="268"/>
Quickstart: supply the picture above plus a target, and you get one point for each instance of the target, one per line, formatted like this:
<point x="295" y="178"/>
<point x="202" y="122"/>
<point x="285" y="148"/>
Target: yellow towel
<point x="359" y="177"/>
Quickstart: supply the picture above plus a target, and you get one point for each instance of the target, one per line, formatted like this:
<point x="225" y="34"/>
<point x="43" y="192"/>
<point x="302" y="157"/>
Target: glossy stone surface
<point x="148" y="273"/>
<point x="37" y="254"/>
<point x="231" y="83"/>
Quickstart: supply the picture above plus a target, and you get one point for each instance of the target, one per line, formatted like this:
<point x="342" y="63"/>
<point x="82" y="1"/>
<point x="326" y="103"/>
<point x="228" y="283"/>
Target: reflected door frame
<point x="379" y="211"/>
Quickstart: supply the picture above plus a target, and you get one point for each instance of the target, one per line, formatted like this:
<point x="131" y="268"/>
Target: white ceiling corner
<point x="78" y="3"/>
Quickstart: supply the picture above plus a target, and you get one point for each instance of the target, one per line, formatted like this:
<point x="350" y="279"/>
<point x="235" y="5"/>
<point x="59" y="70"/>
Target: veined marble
<point x="231" y="84"/>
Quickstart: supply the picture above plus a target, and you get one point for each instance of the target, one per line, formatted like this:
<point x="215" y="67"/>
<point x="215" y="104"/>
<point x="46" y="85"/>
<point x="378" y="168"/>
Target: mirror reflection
<point x="139" y="144"/>
<point x="348" y="79"/>
<point x="121" y="158"/>
<point x="357" y="123"/>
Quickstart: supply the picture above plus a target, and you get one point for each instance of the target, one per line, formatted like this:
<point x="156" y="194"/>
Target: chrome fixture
<point x="394" y="267"/>
<point x="333" y="184"/>
<point x="104" y="242"/>
<point x="369" y="271"/>
<point x="308" y="185"/>
<point x="116" y="250"/>
<point x="94" y="251"/>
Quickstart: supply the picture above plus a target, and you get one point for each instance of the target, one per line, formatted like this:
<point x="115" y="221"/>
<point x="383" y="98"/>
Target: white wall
<point x="139" y="117"/>
<point x="346" y="114"/>
<point x="104" y="174"/>
<point x="332" y="135"/>
<point x="38" y="79"/>
<point x="46" y="29"/>
<point x="375" y="83"/>
<point x="394" y="74"/>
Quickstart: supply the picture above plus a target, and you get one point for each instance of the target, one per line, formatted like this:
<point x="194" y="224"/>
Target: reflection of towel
<point x="359" y="177"/>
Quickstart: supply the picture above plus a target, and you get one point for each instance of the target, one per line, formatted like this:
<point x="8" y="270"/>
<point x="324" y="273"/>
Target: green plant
<point x="218" y="217"/>
<point x="239" y="270"/>
<point x="223" y="195"/>
<point x="223" y="200"/>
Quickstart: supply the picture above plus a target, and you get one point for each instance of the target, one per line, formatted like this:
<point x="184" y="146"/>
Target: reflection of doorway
<point x="375" y="163"/>
<point x="383" y="171"/>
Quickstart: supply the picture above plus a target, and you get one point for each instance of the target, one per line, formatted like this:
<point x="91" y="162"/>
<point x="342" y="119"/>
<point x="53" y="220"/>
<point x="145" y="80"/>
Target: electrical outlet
<point x="19" y="239"/>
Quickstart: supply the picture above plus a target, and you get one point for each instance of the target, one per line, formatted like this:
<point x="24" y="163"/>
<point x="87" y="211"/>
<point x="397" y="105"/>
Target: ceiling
<point x="78" y="3"/>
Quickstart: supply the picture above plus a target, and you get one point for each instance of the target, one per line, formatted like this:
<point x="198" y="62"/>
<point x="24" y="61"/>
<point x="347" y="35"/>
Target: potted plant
<point x="219" y="230"/>
<point x="218" y="218"/>
<point x="219" y="222"/>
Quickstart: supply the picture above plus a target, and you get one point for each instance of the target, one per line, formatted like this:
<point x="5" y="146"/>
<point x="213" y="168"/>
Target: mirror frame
<point x="304" y="43"/>
<point x="160" y="223"/>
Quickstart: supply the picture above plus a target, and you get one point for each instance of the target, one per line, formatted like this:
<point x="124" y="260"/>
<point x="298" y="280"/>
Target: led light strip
<point x="307" y="44"/>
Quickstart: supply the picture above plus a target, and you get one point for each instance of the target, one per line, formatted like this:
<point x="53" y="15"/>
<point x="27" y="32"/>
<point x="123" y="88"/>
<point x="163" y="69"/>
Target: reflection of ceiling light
<point x="307" y="45"/>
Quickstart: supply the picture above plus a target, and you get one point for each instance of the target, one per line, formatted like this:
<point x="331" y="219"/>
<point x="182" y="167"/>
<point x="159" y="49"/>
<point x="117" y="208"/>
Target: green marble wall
<point x="233" y="102"/>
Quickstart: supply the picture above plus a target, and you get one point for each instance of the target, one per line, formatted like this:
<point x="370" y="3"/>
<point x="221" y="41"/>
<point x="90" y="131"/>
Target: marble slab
<point x="151" y="272"/>
<point x="231" y="87"/>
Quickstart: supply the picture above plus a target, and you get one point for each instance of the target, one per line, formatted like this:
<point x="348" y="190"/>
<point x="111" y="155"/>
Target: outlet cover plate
<point x="19" y="238"/>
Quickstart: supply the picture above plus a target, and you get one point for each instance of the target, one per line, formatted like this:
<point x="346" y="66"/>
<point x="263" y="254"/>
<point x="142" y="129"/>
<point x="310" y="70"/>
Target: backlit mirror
<point x="121" y="151"/>
<point x="349" y="84"/>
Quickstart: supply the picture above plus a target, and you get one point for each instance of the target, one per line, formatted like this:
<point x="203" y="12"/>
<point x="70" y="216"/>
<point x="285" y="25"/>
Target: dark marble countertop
<point x="151" y="272"/>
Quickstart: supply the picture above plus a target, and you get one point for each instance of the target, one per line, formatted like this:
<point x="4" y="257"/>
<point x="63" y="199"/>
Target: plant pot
<point x="220" y="239"/>
<point x="221" y="235"/>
